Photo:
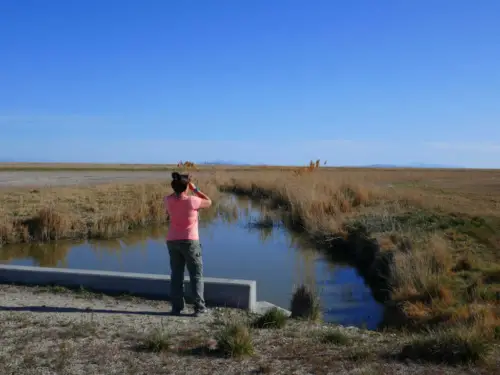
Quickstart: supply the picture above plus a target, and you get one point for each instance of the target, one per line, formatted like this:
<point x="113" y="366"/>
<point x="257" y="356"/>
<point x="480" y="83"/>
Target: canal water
<point x="235" y="244"/>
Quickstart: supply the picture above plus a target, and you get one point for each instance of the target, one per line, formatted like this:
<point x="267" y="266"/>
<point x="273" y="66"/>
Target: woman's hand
<point x="192" y="186"/>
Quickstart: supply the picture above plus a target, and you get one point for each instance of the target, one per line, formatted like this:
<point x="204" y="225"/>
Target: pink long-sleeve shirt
<point x="183" y="212"/>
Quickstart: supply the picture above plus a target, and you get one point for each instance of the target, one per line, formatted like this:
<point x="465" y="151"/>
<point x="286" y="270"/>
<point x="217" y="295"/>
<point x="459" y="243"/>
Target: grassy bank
<point x="427" y="242"/>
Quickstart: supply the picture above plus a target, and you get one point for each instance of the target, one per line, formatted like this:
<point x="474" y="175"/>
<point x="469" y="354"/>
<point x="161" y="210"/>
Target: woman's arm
<point x="207" y="201"/>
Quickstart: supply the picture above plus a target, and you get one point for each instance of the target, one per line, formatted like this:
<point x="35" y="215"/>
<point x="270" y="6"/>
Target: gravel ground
<point x="53" y="331"/>
<point x="68" y="178"/>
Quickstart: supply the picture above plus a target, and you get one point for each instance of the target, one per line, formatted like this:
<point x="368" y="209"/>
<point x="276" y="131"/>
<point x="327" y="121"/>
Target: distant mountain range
<point x="235" y="163"/>
<point x="413" y="165"/>
<point x="224" y="162"/>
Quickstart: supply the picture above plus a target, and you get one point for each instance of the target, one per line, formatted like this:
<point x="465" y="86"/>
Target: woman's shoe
<point x="202" y="311"/>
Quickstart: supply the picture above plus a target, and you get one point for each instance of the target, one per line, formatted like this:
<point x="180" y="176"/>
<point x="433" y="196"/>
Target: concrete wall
<point x="218" y="292"/>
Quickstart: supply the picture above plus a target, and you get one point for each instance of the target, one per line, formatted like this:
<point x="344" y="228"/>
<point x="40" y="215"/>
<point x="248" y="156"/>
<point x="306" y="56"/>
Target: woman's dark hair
<point x="179" y="183"/>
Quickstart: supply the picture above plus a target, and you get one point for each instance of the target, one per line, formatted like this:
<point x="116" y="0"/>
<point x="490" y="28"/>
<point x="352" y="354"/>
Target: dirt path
<point x="68" y="178"/>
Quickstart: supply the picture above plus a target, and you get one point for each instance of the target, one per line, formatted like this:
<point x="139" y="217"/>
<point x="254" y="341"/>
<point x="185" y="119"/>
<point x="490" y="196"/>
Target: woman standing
<point x="183" y="242"/>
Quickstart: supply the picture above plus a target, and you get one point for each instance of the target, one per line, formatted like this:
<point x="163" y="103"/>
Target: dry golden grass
<point x="440" y="228"/>
<point x="432" y="236"/>
<point x="101" y="211"/>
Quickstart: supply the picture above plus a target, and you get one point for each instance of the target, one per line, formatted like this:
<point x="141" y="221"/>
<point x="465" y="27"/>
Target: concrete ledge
<point x="218" y="292"/>
<point x="263" y="306"/>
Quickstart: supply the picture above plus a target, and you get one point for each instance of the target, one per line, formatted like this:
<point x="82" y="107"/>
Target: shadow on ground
<point x="56" y="309"/>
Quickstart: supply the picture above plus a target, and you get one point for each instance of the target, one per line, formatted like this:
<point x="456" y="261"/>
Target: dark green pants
<point x="186" y="253"/>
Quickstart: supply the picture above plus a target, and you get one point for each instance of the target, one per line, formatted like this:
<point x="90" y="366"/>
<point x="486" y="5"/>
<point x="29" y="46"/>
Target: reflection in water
<point x="44" y="255"/>
<point x="238" y="241"/>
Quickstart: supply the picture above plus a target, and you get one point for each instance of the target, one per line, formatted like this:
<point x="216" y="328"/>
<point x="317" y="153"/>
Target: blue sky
<point x="284" y="81"/>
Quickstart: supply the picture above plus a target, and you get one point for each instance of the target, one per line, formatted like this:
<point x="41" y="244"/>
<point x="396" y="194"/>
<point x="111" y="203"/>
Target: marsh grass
<point x="101" y="211"/>
<point x="423" y="273"/>
<point x="429" y="239"/>
<point x="305" y="304"/>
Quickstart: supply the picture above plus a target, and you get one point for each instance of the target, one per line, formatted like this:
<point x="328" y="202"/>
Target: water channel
<point x="232" y="248"/>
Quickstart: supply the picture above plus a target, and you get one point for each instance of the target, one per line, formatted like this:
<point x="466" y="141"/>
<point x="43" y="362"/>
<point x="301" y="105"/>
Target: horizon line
<point x="238" y="164"/>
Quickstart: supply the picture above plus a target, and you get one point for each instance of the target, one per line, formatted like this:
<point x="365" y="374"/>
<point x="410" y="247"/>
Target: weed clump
<point x="158" y="340"/>
<point x="335" y="337"/>
<point x="450" y="347"/>
<point x="305" y="304"/>
<point x="235" y="340"/>
<point x="273" y="318"/>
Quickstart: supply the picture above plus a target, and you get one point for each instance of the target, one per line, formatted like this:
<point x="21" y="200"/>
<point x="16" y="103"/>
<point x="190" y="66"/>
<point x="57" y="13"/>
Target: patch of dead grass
<point x="101" y="211"/>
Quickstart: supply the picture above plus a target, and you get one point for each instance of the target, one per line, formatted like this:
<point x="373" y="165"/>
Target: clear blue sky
<point x="281" y="81"/>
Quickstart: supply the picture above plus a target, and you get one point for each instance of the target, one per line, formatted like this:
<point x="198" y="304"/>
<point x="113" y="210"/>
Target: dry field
<point x="430" y="237"/>
<point x="81" y="167"/>
<point x="75" y="167"/>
